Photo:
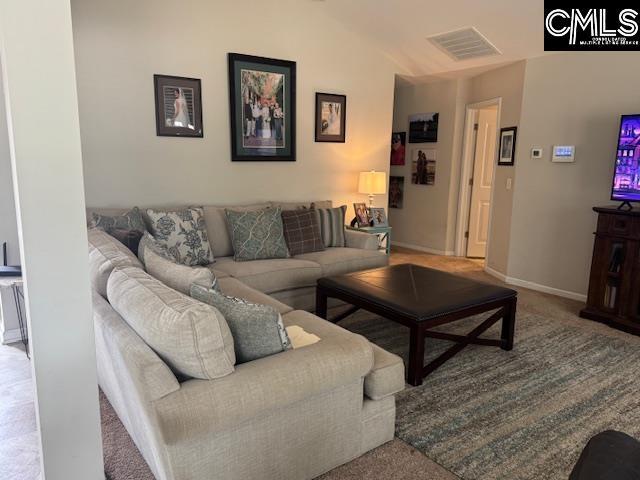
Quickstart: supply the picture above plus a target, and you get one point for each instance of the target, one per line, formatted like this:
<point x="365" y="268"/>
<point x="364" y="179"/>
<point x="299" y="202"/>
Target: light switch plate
<point x="536" y="153"/>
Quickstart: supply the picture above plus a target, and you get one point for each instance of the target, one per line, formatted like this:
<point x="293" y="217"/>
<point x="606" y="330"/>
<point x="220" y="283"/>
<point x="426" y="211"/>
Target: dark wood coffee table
<point x="422" y="298"/>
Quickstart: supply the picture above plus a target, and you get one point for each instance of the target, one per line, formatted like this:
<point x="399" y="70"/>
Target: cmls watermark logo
<point x="614" y="27"/>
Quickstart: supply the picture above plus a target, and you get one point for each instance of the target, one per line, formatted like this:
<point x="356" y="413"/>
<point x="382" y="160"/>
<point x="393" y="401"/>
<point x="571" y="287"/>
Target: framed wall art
<point x="507" y="151"/>
<point x="178" y="106"/>
<point x="262" y="99"/>
<point x="331" y="116"/>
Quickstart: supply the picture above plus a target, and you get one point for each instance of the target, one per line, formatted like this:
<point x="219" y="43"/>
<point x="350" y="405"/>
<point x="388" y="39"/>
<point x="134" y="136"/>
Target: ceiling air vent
<point x="464" y="44"/>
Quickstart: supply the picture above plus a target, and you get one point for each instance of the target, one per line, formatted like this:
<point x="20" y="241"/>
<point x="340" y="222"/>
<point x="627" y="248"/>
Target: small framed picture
<point x="423" y="127"/>
<point x="398" y="141"/>
<point x="178" y="106"/>
<point x="378" y="217"/>
<point x="331" y="116"/>
<point x="507" y="152"/>
<point x="396" y="191"/>
<point x="362" y="214"/>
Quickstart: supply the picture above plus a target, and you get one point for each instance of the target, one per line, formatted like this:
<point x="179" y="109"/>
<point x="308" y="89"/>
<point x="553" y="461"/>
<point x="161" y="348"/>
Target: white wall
<point x="41" y="102"/>
<point x="570" y="99"/>
<point x="121" y="44"/>
<point x="424" y="220"/>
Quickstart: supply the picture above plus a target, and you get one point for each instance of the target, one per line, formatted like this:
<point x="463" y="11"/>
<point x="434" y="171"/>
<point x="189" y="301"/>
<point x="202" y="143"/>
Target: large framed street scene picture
<point x="262" y="96"/>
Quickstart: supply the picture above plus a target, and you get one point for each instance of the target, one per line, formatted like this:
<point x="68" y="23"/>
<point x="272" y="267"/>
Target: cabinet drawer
<point x="617" y="225"/>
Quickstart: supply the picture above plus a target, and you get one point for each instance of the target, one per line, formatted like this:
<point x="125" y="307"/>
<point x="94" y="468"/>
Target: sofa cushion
<point x="387" y="375"/>
<point x="131" y="220"/>
<point x="284" y="206"/>
<point x="272" y="275"/>
<point x="175" y="275"/>
<point x="257" y="329"/>
<point x="191" y="337"/>
<point x="235" y="288"/>
<point x="302" y="231"/>
<point x="184" y="234"/>
<point x="336" y="261"/>
<point x="105" y="254"/>
<point x="257" y="234"/>
<point x="332" y="225"/>
<point x="217" y="230"/>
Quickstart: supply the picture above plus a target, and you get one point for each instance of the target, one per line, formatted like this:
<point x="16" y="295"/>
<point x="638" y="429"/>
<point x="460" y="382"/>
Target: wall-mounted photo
<point x="423" y="128"/>
<point x="396" y="191"/>
<point x="398" y="141"/>
<point x="263" y="110"/>
<point x="178" y="106"/>
<point x="423" y="166"/>
<point x="507" y="152"/>
<point x="378" y="217"/>
<point x="362" y="214"/>
<point x="331" y="116"/>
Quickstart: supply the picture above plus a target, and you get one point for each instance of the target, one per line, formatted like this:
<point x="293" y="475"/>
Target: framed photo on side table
<point x="378" y="217"/>
<point x="362" y="214"/>
<point x="178" y="106"/>
<point x="507" y="152"/>
<point x="331" y="117"/>
<point x="262" y="100"/>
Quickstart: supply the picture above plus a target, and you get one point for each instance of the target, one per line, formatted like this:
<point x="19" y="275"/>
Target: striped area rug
<point x="526" y="414"/>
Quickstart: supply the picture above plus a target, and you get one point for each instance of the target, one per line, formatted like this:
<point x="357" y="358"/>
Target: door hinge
<point x="475" y="126"/>
<point x="471" y="182"/>
<point x="466" y="234"/>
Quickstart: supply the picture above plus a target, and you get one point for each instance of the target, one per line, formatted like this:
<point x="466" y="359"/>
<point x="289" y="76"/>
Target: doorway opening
<point x="477" y="179"/>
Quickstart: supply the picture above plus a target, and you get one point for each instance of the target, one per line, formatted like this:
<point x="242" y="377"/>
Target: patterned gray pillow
<point x="132" y="220"/>
<point x="332" y="226"/>
<point x="184" y="234"/>
<point x="257" y="234"/>
<point x="257" y="330"/>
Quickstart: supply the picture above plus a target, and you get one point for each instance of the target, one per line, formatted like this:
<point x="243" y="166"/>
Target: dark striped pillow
<point x="332" y="225"/>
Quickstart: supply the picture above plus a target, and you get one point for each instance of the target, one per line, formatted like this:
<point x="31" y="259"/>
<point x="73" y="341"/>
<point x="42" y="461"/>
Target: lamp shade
<point x="372" y="183"/>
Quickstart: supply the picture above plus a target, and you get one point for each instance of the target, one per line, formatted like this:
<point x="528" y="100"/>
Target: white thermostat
<point x="536" y="153"/>
<point x="563" y="153"/>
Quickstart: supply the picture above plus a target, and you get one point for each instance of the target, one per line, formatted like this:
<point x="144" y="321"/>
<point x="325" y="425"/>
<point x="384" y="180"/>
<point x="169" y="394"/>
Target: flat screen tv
<point x="626" y="174"/>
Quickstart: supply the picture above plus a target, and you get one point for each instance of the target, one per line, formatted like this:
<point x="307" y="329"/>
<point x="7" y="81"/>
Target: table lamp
<point x="372" y="183"/>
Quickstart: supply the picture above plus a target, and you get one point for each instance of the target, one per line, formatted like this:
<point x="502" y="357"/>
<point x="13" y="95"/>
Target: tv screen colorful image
<point x="626" y="176"/>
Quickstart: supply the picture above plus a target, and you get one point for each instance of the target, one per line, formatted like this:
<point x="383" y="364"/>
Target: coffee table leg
<point x="321" y="303"/>
<point x="416" y="356"/>
<point x="508" y="324"/>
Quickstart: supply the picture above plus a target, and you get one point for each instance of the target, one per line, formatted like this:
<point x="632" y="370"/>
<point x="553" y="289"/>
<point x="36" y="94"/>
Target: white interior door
<point x="483" y="165"/>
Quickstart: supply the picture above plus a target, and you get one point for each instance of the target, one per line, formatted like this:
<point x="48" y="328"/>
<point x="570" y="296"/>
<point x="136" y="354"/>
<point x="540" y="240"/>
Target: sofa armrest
<point x="258" y="387"/>
<point x="361" y="240"/>
<point x="386" y="378"/>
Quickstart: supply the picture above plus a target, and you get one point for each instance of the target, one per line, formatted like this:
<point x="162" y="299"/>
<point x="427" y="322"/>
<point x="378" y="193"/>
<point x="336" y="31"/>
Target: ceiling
<point x="400" y="28"/>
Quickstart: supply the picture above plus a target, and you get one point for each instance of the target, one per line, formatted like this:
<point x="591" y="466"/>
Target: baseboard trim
<point x="447" y="253"/>
<point x="11" y="336"/>
<point x="536" y="286"/>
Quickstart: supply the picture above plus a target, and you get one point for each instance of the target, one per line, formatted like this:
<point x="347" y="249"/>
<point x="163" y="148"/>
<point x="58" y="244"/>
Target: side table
<point x="11" y="288"/>
<point x="383" y="233"/>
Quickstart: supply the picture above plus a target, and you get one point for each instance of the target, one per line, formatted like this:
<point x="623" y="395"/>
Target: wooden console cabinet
<point x="614" y="282"/>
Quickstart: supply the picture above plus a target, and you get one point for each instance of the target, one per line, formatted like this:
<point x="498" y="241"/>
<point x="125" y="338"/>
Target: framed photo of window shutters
<point x="331" y="117"/>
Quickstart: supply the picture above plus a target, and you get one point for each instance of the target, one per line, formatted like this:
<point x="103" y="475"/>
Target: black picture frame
<point x="507" y="150"/>
<point x="322" y="124"/>
<point x="167" y="90"/>
<point x="249" y="140"/>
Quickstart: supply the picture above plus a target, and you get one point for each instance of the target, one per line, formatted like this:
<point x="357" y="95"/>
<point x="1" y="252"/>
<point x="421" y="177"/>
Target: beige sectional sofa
<point x="293" y="415"/>
<point x="290" y="280"/>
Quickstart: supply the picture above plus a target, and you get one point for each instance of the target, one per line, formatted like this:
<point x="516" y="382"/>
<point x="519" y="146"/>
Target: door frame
<point x="466" y="173"/>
